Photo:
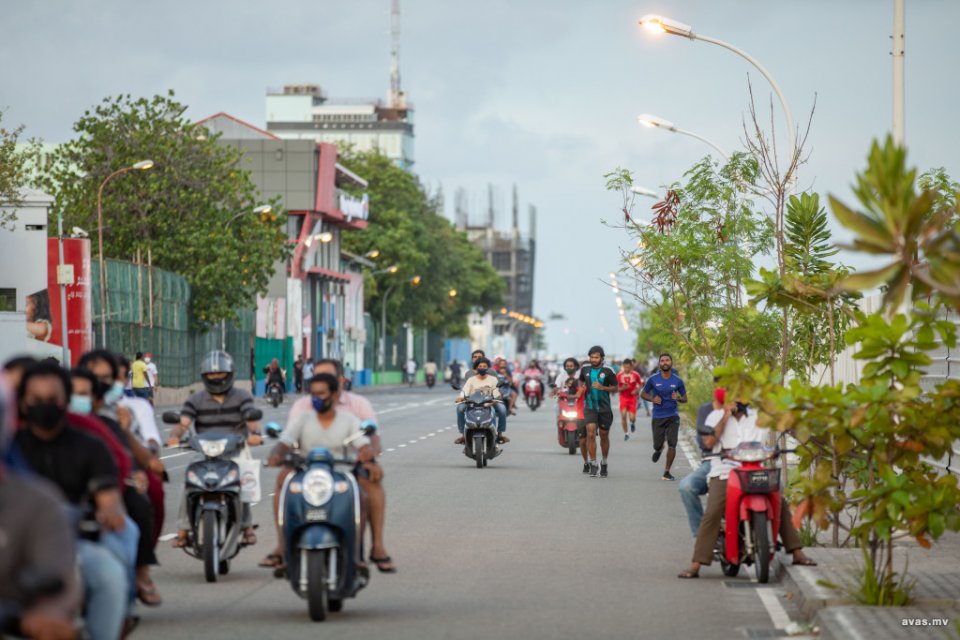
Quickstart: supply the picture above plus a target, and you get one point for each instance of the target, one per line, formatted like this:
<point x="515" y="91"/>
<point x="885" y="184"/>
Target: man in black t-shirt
<point x="597" y="382"/>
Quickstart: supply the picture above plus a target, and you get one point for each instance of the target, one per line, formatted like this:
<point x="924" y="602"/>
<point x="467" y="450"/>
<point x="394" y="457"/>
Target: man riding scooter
<point x="734" y="424"/>
<point x="484" y="382"/>
<point x="275" y="378"/>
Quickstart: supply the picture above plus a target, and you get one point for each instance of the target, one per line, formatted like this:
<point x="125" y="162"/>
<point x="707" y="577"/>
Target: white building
<point x="303" y="111"/>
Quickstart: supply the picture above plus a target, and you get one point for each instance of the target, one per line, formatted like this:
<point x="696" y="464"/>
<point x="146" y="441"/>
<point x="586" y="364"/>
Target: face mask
<point x="113" y="394"/>
<point x="147" y="360"/>
<point x="45" y="415"/>
<point x="742" y="407"/>
<point x="82" y="405"/>
<point x="481" y="372"/>
<point x="570" y="369"/>
<point x="322" y="405"/>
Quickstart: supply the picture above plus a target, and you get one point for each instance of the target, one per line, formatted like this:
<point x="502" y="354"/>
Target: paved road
<point x="527" y="548"/>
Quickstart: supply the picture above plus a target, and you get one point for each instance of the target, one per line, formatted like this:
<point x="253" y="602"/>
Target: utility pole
<point x="899" y="49"/>
<point x="396" y="94"/>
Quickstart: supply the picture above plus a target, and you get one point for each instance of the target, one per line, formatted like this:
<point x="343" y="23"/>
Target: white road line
<point x="430" y="435"/>
<point x="174" y="455"/>
<point x="771" y="603"/>
<point x="391" y="449"/>
<point x="401" y="446"/>
<point x="413" y="442"/>
<point x="423" y="438"/>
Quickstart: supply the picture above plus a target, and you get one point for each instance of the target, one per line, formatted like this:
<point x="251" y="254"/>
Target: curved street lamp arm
<point x="701" y="139"/>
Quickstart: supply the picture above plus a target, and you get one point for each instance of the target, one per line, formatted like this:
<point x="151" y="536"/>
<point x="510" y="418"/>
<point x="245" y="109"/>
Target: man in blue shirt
<point x="665" y="390"/>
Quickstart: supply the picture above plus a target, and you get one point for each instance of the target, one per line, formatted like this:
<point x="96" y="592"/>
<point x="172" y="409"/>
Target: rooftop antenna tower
<point x="396" y="99"/>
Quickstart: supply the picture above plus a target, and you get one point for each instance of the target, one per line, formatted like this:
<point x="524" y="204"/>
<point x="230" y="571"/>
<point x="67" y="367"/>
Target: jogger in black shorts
<point x="665" y="390"/>
<point x="597" y="383"/>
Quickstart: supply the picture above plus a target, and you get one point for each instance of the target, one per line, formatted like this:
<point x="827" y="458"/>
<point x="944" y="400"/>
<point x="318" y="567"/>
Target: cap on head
<point x="720" y="395"/>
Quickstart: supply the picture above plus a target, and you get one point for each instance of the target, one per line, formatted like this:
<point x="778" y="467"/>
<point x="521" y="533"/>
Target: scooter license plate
<point x="316" y="515"/>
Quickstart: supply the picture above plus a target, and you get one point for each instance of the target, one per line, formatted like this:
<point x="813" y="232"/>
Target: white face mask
<point x="147" y="360"/>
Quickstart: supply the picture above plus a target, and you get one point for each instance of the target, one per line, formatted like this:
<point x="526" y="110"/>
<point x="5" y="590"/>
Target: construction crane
<point x="397" y="99"/>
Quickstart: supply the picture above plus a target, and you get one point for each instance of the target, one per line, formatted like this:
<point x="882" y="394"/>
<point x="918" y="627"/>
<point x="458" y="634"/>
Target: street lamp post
<point x="660" y="24"/>
<point x="643" y="191"/>
<point x="143" y="165"/>
<point x="654" y="122"/>
<point x="415" y="281"/>
<point x="260" y="210"/>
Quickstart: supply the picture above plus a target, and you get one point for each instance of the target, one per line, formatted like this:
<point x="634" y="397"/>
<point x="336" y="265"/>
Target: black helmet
<point x="217" y="362"/>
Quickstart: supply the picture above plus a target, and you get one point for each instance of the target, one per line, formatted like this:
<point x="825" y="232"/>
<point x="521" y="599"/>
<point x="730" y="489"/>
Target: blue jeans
<point x="691" y="488"/>
<point x="498" y="408"/>
<point x="123" y="545"/>
<point x="106" y="587"/>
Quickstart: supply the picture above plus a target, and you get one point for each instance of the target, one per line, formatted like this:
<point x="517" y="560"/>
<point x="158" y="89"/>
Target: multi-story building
<point x="303" y="112"/>
<point x="311" y="298"/>
<point x="512" y="255"/>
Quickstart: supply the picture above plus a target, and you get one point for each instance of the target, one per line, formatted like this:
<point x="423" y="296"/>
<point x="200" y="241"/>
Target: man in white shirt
<point x="324" y="426"/>
<point x="153" y="376"/>
<point x="733" y="425"/>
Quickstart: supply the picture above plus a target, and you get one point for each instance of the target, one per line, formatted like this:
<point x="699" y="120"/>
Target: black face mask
<point x="46" y="415"/>
<point x="482" y="372"/>
<point x="570" y="369"/>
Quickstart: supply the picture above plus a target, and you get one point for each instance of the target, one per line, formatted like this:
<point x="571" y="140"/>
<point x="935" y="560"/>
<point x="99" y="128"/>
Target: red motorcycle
<point x="752" y="518"/>
<point x="570" y="421"/>
<point x="533" y="392"/>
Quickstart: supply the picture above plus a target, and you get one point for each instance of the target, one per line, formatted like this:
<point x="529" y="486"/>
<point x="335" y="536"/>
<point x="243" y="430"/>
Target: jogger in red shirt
<point x="629" y="382"/>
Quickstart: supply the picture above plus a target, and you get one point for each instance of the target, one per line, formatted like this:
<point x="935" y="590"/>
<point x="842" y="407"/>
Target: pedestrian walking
<point x="139" y="381"/>
<point x="665" y="390"/>
<point x="411" y="372"/>
<point x="307" y="371"/>
<point x="153" y="376"/>
<point x="298" y="374"/>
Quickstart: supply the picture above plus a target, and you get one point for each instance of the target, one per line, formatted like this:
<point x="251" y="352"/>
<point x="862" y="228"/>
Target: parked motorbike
<point x="570" y="421"/>
<point x="275" y="394"/>
<point x="212" y="494"/>
<point x="748" y="534"/>
<point x="481" y="430"/>
<point x="320" y="519"/>
<point x="533" y="393"/>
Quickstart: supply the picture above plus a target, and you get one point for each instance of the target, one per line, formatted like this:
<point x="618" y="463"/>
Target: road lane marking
<point x="413" y="442"/>
<point x="174" y="455"/>
<point x="772" y="604"/>
<point x="401" y="446"/>
<point x="423" y="437"/>
<point x="391" y="449"/>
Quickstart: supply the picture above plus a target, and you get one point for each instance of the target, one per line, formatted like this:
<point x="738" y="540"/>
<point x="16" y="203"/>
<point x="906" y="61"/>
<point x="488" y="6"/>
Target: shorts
<point x="628" y="403"/>
<point x="581" y="429"/>
<point x="666" y="429"/>
<point x="602" y="418"/>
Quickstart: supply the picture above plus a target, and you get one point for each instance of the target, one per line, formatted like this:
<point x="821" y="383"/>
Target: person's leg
<point x="377" y="513"/>
<point x="461" y="421"/>
<point x="501" y="412"/>
<point x="659" y="436"/>
<point x="106" y="586"/>
<point x="605" y="442"/>
<point x="623" y="420"/>
<point x="672" y="433"/>
<point x="592" y="441"/>
<point x="633" y="416"/>
<point x="789" y="536"/>
<point x="691" y="488"/>
<point x="709" y="526"/>
<point x="280" y="547"/>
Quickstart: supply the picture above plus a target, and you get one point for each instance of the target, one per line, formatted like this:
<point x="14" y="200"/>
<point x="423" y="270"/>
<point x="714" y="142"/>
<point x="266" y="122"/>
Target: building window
<point x="8" y="299"/>
<point x="501" y="260"/>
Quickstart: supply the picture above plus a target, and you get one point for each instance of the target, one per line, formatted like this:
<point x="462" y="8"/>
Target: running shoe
<point x="603" y="470"/>
<point x="594" y="470"/>
<point x="633" y="427"/>
<point x="626" y="437"/>
<point x="586" y="467"/>
<point x="667" y="476"/>
<point x="656" y="454"/>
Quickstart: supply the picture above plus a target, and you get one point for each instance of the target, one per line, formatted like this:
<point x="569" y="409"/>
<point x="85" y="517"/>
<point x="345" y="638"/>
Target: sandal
<point x="688" y="575"/>
<point x="384" y="564"/>
<point x="148" y="595"/>
<point x="502" y="439"/>
<point x="249" y="538"/>
<point x="272" y="561"/>
<point x="805" y="562"/>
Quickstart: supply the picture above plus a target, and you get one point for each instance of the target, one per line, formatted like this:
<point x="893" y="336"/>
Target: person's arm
<point x="647" y="392"/>
<point x="289" y="440"/>
<point x="718" y="429"/>
<point x="110" y="510"/>
<point x="680" y="395"/>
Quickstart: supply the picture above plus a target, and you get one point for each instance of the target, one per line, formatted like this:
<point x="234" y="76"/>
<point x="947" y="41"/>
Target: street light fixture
<point x="142" y="165"/>
<point x="373" y="254"/>
<point x="324" y="238"/>
<point x="452" y="293"/>
<point x="263" y="209"/>
<point x="653" y="122"/>
<point x="643" y="191"/>
<point x="660" y="24"/>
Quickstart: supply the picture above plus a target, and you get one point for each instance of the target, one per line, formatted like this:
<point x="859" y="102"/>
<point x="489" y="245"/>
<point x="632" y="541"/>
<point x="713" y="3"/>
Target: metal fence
<point x="945" y="366"/>
<point x="148" y="311"/>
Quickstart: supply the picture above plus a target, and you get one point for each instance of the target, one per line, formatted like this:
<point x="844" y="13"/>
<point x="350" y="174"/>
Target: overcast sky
<point x="541" y="93"/>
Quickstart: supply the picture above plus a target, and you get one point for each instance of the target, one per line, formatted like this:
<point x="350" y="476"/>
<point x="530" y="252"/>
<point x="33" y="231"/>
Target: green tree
<point x="193" y="211"/>
<point x="14" y="170"/>
<point x="694" y="257"/>
<point x="407" y="227"/>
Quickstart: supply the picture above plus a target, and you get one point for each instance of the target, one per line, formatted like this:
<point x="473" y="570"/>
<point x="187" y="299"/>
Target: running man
<point x="597" y="383"/>
<point x="629" y="383"/>
<point x="665" y="390"/>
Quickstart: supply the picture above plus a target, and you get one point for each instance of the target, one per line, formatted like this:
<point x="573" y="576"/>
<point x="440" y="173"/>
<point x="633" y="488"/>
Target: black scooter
<point x="212" y="486"/>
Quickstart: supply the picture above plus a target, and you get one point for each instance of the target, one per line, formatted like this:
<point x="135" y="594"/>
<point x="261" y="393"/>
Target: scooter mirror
<point x="369" y="427"/>
<point x="272" y="429"/>
<point x="252" y="415"/>
<point x="170" y="417"/>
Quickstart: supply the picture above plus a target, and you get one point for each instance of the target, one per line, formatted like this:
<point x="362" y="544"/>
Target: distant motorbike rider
<point x="485" y="383"/>
<point x="220" y="406"/>
<point x="275" y="377"/>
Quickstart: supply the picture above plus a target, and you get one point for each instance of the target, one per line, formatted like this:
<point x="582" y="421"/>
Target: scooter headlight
<point x="570" y="414"/>
<point x="317" y="487"/>
<point x="213" y="448"/>
<point x="193" y="478"/>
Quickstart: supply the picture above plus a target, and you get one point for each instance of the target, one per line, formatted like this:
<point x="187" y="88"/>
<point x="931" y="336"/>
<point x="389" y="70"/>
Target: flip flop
<point x="148" y="595"/>
<point x="272" y="561"/>
<point x="806" y="562"/>
<point x="688" y="575"/>
<point x="179" y="542"/>
<point x="249" y="539"/>
<point x="382" y="561"/>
